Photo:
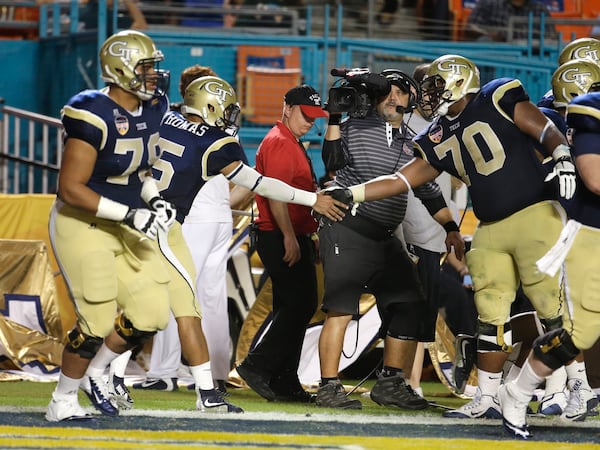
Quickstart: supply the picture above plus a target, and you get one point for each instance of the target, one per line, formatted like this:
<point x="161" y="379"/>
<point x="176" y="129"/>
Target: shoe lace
<point x="576" y="399"/>
<point x="475" y="403"/>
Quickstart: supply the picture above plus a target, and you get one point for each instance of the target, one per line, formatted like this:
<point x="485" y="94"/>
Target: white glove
<point x="564" y="169"/>
<point x="165" y="211"/>
<point x="145" y="221"/>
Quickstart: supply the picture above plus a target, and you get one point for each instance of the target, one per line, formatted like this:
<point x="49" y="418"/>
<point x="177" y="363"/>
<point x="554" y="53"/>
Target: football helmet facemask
<point x="448" y="79"/>
<point x="130" y="60"/>
<point x="574" y="78"/>
<point x="582" y="48"/>
<point x="214" y="100"/>
<point x="406" y="85"/>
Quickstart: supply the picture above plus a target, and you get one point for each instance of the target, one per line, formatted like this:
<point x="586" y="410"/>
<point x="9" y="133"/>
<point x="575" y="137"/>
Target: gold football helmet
<point x="214" y="100"/>
<point x="130" y="60"/>
<point x="448" y="79"/>
<point x="574" y="78"/>
<point x="582" y="48"/>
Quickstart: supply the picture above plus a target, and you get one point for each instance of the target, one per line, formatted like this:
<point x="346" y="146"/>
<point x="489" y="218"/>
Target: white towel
<point x="551" y="261"/>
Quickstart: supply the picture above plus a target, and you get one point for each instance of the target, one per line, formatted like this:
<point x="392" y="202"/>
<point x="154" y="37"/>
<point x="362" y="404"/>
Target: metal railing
<point x="30" y="151"/>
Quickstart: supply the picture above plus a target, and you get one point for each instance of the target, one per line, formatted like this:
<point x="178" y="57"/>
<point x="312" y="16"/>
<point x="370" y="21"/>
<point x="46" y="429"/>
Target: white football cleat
<point x="582" y="402"/>
<point x="514" y="413"/>
<point x="64" y="408"/>
<point x="553" y="404"/>
<point x="119" y="393"/>
<point x="481" y="407"/>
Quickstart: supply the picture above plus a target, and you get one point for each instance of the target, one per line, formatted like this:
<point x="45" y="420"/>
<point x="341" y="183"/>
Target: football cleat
<point x="65" y="408"/>
<point x="158" y="384"/>
<point x="481" y="407"/>
<point x="466" y="357"/>
<point x="553" y="404"/>
<point x="514" y="413"/>
<point x="119" y="393"/>
<point x="214" y="402"/>
<point x="582" y="402"/>
<point x="99" y="396"/>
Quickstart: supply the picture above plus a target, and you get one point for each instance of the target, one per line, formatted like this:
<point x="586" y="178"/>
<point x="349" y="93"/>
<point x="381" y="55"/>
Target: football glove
<point x="339" y="193"/>
<point x="165" y="210"/>
<point x="564" y="169"/>
<point x="145" y="221"/>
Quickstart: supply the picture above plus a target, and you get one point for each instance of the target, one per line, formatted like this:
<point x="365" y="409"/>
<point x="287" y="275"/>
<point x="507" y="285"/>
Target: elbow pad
<point x="433" y="205"/>
<point x="333" y="155"/>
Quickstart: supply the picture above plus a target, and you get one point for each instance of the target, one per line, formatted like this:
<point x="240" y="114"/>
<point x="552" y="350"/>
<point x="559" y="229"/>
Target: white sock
<point x="488" y="382"/>
<point x="67" y="386"/>
<point x="576" y="371"/>
<point x="526" y="383"/>
<point x="202" y="375"/>
<point x="512" y="374"/>
<point x="556" y="382"/>
<point x="100" y="362"/>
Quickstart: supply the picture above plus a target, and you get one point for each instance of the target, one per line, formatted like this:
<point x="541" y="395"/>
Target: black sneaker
<point x="395" y="391"/>
<point x="466" y="357"/>
<point x="287" y="388"/>
<point x="257" y="381"/>
<point x="158" y="384"/>
<point x="333" y="395"/>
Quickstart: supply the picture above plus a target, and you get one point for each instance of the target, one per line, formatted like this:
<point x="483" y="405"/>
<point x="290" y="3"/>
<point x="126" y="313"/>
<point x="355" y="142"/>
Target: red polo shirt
<point x="281" y="156"/>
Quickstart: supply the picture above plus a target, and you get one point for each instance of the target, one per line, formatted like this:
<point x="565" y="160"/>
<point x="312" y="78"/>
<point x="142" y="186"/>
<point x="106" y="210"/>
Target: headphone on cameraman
<point x="407" y="85"/>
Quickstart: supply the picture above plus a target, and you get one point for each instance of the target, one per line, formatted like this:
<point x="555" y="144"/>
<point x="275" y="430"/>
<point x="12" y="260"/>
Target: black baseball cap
<point x="308" y="99"/>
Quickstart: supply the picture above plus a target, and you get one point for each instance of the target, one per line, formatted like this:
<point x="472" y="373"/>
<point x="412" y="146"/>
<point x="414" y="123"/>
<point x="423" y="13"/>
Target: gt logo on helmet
<point x="575" y="75"/>
<point x="451" y="66"/>
<point x="218" y="90"/>
<point x="586" y="53"/>
<point x="120" y="49"/>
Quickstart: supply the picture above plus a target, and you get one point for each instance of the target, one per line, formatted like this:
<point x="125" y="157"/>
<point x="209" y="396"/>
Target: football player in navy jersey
<point x="199" y="143"/>
<point x="582" y="48"/>
<point x="101" y="226"/>
<point x="485" y="136"/>
<point x="579" y="242"/>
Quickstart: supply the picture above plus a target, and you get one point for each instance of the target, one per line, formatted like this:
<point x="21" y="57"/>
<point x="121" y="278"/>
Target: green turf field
<point x="168" y="420"/>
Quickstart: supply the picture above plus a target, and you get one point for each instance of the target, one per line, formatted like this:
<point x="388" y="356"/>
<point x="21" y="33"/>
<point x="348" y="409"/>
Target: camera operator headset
<point x="360" y="253"/>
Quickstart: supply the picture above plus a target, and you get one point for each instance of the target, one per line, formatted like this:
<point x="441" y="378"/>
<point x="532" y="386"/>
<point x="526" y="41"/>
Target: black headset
<point x="407" y="84"/>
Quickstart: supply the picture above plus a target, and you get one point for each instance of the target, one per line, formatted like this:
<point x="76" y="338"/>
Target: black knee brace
<point x="82" y="344"/>
<point x="552" y="324"/>
<point x="132" y="335"/>
<point x="555" y="348"/>
<point x="491" y="338"/>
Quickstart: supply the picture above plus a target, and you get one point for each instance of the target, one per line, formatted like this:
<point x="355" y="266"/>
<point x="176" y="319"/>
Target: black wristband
<point x="451" y="226"/>
<point x="334" y="119"/>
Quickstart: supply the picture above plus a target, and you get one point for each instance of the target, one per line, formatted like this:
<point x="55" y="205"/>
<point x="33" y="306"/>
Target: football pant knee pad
<point x="403" y="321"/>
<point x="552" y="324"/>
<point x="82" y="344"/>
<point x="132" y="335"/>
<point x="494" y="338"/>
<point x="555" y="348"/>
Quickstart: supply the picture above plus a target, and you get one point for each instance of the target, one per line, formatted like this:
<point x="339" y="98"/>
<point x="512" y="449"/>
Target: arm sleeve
<point x="333" y="155"/>
<point x="270" y="187"/>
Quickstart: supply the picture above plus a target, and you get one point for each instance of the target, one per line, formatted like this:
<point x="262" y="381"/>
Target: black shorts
<point x="354" y="264"/>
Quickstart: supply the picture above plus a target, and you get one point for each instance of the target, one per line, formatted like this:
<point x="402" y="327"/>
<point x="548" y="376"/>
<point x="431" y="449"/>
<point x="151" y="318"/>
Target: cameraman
<point x="360" y="253"/>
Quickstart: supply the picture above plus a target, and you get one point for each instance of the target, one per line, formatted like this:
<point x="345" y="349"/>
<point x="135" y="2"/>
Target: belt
<point x="367" y="227"/>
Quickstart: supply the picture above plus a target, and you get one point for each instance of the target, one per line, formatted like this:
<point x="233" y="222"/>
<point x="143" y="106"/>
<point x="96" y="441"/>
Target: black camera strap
<point x="310" y="164"/>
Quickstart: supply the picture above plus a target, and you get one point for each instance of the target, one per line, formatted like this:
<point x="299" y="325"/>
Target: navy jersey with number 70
<point x="485" y="149"/>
